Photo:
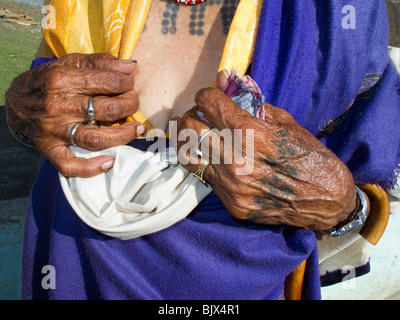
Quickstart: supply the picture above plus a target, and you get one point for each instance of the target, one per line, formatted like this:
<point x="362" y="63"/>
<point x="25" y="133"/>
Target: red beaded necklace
<point x="190" y="1"/>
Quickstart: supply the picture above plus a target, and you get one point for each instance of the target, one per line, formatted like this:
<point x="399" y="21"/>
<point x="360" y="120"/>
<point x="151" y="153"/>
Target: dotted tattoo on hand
<point x="168" y="23"/>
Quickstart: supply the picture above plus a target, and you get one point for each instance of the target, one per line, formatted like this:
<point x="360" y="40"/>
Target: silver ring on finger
<point x="90" y="112"/>
<point x="197" y="152"/>
<point x="72" y="132"/>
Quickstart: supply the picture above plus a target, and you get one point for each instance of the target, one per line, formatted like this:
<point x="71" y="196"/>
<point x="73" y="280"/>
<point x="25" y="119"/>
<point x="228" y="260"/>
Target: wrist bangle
<point x="17" y="135"/>
<point x="355" y="220"/>
<point x="22" y="139"/>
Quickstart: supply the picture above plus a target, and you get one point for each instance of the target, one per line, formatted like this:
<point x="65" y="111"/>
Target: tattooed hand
<point x="294" y="180"/>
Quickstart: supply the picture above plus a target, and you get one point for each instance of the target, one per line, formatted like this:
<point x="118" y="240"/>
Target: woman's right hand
<point x="44" y="104"/>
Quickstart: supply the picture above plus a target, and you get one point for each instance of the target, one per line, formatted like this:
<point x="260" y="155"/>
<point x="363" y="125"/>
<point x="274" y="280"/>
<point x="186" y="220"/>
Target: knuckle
<point x="234" y="210"/>
<point x="54" y="79"/>
<point x="115" y="80"/>
<point x="72" y="59"/>
<point x="112" y="110"/>
<point x="80" y="60"/>
<point x="188" y="126"/>
<point x="186" y="118"/>
<point x="49" y="106"/>
<point x="93" y="140"/>
<point x="98" y="59"/>
<point x="65" y="168"/>
<point x="280" y="114"/>
<point x="205" y="94"/>
<point x="51" y="75"/>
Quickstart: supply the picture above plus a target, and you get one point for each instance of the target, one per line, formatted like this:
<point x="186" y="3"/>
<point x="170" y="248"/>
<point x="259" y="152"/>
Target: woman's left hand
<point x="281" y="175"/>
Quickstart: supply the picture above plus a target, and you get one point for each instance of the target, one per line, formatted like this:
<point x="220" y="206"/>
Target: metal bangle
<point x="22" y="139"/>
<point x="356" y="219"/>
<point x="17" y="135"/>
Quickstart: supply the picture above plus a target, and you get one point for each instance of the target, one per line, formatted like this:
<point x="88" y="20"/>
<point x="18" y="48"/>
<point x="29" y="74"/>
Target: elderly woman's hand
<point x="289" y="177"/>
<point x="44" y="103"/>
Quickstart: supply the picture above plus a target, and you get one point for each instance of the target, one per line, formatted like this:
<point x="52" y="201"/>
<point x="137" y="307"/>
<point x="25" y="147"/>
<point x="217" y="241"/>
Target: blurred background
<point x="19" y="38"/>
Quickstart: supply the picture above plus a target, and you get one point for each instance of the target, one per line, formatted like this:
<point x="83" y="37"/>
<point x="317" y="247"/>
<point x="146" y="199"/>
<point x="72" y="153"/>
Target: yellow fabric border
<point x="378" y="217"/>
<point x="294" y="282"/>
<point x="241" y="38"/>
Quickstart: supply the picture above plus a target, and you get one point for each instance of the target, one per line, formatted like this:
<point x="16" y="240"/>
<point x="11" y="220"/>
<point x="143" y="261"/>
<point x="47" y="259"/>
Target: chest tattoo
<point x="197" y="16"/>
<point x="168" y="22"/>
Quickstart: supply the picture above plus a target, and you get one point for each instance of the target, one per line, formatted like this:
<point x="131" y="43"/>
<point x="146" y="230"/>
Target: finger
<point x="194" y="134"/>
<point x="70" y="166"/>
<point x="99" y="61"/>
<point x="191" y="121"/>
<point x="222" y="79"/>
<point x="113" y="108"/>
<point x="178" y="121"/>
<point x="219" y="109"/>
<point x="184" y="130"/>
<point x="109" y="62"/>
<point x="88" y="81"/>
<point x="94" y="138"/>
<point x="186" y="138"/>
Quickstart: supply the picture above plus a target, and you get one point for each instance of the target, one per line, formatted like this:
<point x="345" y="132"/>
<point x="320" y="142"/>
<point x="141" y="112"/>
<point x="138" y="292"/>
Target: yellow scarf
<point x="114" y="26"/>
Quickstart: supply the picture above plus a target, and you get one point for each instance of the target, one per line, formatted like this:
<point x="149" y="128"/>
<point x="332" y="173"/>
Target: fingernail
<point x="226" y="73"/>
<point x="128" y="60"/>
<point x="140" y="129"/>
<point x="107" y="165"/>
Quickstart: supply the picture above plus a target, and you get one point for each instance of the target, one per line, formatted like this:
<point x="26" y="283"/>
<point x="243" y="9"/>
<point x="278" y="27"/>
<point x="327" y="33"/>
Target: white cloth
<point x="394" y="194"/>
<point x="143" y="193"/>
<point x="394" y="55"/>
<point x="340" y="252"/>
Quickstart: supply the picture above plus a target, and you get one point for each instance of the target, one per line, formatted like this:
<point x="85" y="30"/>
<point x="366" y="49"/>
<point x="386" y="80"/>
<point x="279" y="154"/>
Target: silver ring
<point x="90" y="112"/>
<point x="72" y="132"/>
<point x="197" y="153"/>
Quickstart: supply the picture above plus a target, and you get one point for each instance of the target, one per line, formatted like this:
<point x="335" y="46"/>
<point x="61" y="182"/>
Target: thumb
<point x="219" y="109"/>
<point x="101" y="61"/>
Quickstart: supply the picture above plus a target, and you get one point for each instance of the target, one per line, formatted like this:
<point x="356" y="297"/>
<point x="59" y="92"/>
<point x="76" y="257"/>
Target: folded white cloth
<point x="143" y="193"/>
<point x="341" y="252"/>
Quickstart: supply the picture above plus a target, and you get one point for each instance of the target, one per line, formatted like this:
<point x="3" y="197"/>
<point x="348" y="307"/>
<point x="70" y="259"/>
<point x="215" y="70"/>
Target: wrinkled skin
<point x="46" y="102"/>
<point x="296" y="180"/>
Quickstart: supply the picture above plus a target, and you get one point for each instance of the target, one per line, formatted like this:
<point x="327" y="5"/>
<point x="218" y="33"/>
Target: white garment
<point x="340" y="252"/>
<point x="143" y="193"/>
<point x="394" y="194"/>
